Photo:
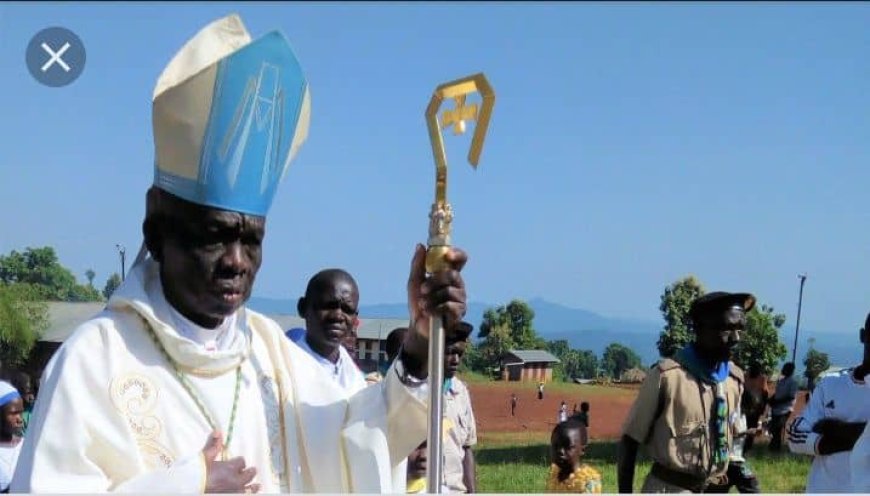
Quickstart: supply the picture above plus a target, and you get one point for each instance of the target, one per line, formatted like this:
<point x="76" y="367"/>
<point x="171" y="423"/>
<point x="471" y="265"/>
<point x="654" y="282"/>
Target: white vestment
<point x="113" y="416"/>
<point x="8" y="459"/>
<point x="344" y="372"/>
<point x="350" y="379"/>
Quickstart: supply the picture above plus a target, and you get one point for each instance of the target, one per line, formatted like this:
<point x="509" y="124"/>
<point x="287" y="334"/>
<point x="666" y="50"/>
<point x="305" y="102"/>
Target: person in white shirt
<point x="782" y="405"/>
<point x="330" y="308"/>
<point x="832" y="423"/>
<point x="563" y="413"/>
<point x="859" y="460"/>
<point x="11" y="431"/>
<point x="176" y="387"/>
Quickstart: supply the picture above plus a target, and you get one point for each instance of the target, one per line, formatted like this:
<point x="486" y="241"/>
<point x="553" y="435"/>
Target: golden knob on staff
<point x="440" y="221"/>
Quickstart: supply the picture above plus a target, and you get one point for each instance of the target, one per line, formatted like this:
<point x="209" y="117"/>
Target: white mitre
<point x="229" y="115"/>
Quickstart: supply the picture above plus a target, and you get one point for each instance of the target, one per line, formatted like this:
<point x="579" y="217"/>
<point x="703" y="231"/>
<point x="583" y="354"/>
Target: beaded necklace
<point x="185" y="382"/>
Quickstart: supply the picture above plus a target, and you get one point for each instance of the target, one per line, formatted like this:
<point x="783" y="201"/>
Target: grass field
<point x="552" y="388"/>
<point x="518" y="463"/>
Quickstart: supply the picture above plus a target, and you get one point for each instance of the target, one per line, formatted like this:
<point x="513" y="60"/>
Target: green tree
<point x="573" y="363"/>
<point x="23" y="318"/>
<point x="558" y="348"/>
<point x="561" y="350"/>
<point x="675" y="304"/>
<point x="90" y="274"/>
<point x="587" y="364"/>
<point x="580" y="364"/>
<point x="112" y="284"/>
<point x="494" y="345"/>
<point x="815" y="362"/>
<point x="82" y="292"/>
<point x="471" y="359"/>
<point x="617" y="359"/>
<point x="517" y="316"/>
<point x="42" y="271"/>
<point x="505" y="328"/>
<point x="760" y="345"/>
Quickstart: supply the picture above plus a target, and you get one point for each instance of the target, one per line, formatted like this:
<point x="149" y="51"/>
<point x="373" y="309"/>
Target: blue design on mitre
<point x="257" y="119"/>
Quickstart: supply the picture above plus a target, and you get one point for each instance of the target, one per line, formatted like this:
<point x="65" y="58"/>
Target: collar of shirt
<point x="217" y="339"/>
<point x="334" y="367"/>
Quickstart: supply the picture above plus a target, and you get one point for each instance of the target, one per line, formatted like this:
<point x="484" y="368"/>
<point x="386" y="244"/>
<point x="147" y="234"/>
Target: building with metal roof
<point x="528" y="365"/>
<point x="65" y="317"/>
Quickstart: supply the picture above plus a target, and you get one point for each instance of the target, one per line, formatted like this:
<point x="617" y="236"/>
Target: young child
<point x="417" y="470"/>
<point x="567" y="474"/>
<point x="11" y="432"/>
<point x="563" y="413"/>
<point x="583" y="416"/>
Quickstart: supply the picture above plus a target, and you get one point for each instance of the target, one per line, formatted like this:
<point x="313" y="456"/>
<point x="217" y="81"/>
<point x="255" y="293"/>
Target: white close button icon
<point x="55" y="57"/>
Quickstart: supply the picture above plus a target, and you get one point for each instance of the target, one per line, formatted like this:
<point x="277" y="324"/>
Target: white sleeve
<point x="184" y="476"/>
<point x="860" y="463"/>
<point x="383" y="424"/>
<point x="801" y="438"/>
<point x="73" y="442"/>
<point x="407" y="412"/>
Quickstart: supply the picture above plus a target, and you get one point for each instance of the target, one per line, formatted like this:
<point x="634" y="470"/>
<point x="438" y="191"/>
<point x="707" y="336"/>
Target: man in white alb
<point x="330" y="308"/>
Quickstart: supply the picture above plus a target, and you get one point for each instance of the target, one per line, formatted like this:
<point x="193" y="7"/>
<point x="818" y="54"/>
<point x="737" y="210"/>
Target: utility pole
<point x="122" y="252"/>
<point x="797" y="327"/>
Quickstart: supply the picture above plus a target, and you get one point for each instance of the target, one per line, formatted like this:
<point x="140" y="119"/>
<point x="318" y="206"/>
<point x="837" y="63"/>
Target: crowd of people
<point x="697" y="414"/>
<point x="177" y="387"/>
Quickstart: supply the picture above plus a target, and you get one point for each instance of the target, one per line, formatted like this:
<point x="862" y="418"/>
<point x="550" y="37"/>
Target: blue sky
<point x="631" y="144"/>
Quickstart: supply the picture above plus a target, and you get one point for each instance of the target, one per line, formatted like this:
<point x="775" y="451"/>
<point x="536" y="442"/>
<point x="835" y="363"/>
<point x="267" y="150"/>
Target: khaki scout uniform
<point x="673" y="417"/>
<point x="460" y="431"/>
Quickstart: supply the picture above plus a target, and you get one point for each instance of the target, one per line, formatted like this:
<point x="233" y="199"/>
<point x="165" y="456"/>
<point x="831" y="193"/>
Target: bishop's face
<point x="209" y="259"/>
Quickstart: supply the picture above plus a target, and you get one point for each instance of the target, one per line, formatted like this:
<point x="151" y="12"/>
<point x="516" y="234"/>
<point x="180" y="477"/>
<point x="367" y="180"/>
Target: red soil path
<point x="609" y="407"/>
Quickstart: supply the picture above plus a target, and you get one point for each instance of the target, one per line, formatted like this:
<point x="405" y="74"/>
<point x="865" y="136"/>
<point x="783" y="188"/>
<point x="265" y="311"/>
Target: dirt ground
<point x="491" y="402"/>
<point x="609" y="407"/>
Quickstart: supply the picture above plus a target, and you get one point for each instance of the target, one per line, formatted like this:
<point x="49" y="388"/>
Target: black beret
<point x="461" y="332"/>
<point x="720" y="300"/>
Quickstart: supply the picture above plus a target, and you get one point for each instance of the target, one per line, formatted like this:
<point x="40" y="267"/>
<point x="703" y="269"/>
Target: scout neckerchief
<point x="688" y="358"/>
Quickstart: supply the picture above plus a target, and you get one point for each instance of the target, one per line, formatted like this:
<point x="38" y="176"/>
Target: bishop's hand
<point x="442" y="294"/>
<point x="229" y="476"/>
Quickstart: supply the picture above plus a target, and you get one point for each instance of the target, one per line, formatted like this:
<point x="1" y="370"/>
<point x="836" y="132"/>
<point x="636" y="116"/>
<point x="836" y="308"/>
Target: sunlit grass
<point x="518" y="463"/>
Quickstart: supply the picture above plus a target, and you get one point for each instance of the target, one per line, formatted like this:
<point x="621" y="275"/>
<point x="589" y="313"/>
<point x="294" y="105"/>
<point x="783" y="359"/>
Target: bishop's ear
<point x="300" y="307"/>
<point x="153" y="235"/>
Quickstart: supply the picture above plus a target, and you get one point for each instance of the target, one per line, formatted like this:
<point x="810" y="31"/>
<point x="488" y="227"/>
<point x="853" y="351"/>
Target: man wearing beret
<point x="177" y="387"/>
<point x="460" y="429"/>
<point x="459" y="426"/>
<point x="688" y="405"/>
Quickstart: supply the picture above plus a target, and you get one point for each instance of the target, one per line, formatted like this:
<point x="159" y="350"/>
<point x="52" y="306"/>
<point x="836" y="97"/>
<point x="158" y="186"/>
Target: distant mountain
<point x="474" y="313"/>
<point x="581" y="328"/>
<point x="585" y="329"/>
